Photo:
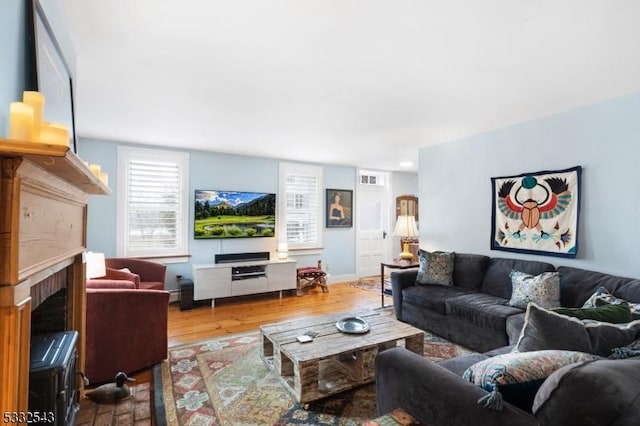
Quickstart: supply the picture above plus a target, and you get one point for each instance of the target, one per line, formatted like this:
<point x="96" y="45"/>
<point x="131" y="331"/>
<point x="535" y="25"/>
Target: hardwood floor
<point x="240" y="314"/>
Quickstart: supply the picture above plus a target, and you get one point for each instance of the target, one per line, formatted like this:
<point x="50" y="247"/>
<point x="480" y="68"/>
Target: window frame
<point x="126" y="154"/>
<point x="286" y="169"/>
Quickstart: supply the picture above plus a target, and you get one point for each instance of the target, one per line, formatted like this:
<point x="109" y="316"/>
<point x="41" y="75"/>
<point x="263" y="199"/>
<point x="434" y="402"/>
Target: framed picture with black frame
<point x="339" y="211"/>
<point x="52" y="74"/>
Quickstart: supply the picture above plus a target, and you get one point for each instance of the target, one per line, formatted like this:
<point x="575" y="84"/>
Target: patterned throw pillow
<point x="543" y="289"/>
<point x="435" y="268"/>
<point x="516" y="376"/>
<point x="602" y="297"/>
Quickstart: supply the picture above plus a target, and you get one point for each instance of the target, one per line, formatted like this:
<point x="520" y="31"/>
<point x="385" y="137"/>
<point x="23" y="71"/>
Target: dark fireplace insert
<point x="54" y="396"/>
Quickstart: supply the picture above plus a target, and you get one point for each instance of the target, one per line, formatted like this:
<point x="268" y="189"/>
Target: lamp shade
<point x="283" y="250"/>
<point x="406" y="227"/>
<point x="95" y="265"/>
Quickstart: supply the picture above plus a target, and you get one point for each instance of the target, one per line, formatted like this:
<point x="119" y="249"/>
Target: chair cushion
<point x="151" y="285"/>
<point x="543" y="289"/>
<point x="483" y="310"/>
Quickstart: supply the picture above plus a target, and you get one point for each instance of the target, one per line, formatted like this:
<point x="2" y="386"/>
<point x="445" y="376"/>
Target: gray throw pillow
<point x="544" y="329"/>
<point x="602" y="392"/>
<point x="435" y="268"/>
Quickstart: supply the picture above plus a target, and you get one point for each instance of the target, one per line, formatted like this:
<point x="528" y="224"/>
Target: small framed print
<point x="339" y="208"/>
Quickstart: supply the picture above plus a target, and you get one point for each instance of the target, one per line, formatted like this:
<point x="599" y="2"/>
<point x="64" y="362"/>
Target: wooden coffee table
<point x="334" y="361"/>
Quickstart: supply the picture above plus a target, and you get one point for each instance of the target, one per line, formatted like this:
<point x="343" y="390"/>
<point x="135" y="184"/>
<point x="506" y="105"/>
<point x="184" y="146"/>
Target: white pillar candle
<point x="104" y="178"/>
<point x="54" y="134"/>
<point x="36" y="101"/>
<point x="20" y="121"/>
<point x="95" y="168"/>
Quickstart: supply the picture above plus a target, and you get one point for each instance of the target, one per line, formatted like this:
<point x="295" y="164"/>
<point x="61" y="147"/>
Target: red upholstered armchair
<point x="143" y="273"/>
<point x="126" y="328"/>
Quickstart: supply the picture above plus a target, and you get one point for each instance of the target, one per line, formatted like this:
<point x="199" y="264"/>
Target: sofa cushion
<point x="497" y="282"/>
<point x="516" y="376"/>
<point x="545" y="329"/>
<point x="614" y="313"/>
<point x="576" y="285"/>
<point x="432" y="297"/>
<point x="469" y="270"/>
<point x="459" y="364"/>
<point x="482" y="310"/>
<point x="543" y="289"/>
<point x="435" y="267"/>
<point x="602" y="392"/>
<point x="602" y="297"/>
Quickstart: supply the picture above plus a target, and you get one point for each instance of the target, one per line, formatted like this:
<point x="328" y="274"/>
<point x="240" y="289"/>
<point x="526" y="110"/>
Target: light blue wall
<point x="455" y="186"/>
<point x="14" y="57"/>
<point x="209" y="170"/>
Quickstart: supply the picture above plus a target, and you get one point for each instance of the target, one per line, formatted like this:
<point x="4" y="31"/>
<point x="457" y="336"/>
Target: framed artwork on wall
<point x="537" y="212"/>
<point x="339" y="204"/>
<point x="53" y="76"/>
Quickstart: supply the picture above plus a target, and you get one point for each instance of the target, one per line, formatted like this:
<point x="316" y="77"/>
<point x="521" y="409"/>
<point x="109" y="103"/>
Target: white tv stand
<point x="216" y="280"/>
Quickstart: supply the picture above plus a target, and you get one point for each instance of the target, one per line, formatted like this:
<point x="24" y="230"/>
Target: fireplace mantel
<point x="43" y="209"/>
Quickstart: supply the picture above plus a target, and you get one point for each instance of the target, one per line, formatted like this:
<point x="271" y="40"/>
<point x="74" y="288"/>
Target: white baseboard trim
<point x="334" y="279"/>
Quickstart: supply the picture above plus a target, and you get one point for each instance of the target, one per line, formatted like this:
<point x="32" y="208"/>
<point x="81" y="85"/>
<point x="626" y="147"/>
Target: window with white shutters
<point x="152" y="196"/>
<point x="300" y="205"/>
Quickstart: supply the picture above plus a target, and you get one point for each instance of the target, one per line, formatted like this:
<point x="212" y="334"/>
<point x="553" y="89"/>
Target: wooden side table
<point x="393" y="265"/>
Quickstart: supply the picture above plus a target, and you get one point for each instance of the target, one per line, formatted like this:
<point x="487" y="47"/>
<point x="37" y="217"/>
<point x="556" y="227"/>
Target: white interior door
<point x="372" y="233"/>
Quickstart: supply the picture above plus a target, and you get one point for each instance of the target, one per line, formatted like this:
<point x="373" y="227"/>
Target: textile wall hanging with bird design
<point x="537" y="212"/>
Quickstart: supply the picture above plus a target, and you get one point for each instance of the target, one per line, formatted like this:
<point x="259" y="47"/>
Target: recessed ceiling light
<point x="406" y="164"/>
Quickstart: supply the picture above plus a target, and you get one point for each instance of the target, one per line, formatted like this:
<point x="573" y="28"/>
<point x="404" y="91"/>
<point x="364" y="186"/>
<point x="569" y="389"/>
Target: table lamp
<point x="406" y="229"/>
<point x="283" y="250"/>
<point x="95" y="265"/>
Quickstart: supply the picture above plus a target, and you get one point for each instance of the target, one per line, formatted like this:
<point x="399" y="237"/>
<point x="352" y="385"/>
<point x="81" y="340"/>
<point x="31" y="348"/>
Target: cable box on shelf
<point x="244" y="272"/>
<point x="242" y="257"/>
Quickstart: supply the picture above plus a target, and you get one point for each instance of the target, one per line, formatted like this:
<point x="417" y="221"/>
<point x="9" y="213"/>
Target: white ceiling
<point x="352" y="82"/>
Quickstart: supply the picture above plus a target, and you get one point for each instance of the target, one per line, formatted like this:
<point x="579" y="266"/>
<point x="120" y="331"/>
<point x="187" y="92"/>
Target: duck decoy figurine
<point x="112" y="392"/>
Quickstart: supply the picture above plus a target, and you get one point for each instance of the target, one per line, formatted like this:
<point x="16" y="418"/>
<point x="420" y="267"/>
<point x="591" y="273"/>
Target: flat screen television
<point x="234" y="214"/>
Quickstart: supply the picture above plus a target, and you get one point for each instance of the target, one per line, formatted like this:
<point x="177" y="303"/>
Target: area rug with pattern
<point x="370" y="283"/>
<point x="224" y="381"/>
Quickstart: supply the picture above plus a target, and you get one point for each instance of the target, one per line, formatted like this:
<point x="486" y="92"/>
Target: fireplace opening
<point x="53" y="385"/>
<point x="53" y="375"/>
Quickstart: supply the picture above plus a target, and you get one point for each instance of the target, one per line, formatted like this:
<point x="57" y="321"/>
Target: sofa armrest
<point x="401" y="280"/>
<point x="435" y="395"/>
<point x="126" y="331"/>
<point x="106" y="283"/>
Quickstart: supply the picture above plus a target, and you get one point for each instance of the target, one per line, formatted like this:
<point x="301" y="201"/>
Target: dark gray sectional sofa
<point x="474" y="312"/>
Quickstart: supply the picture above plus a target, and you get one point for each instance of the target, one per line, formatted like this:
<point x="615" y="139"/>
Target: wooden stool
<point x="311" y="276"/>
